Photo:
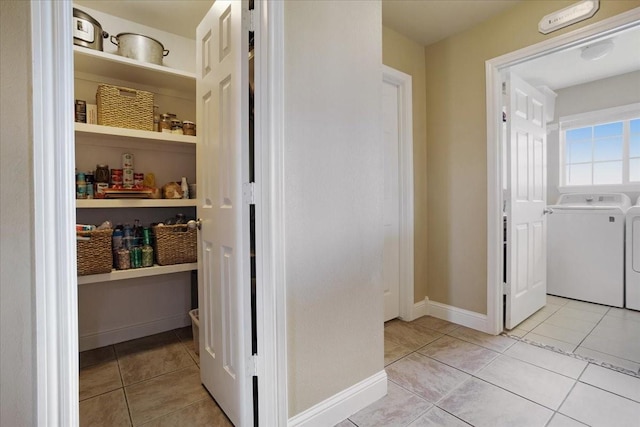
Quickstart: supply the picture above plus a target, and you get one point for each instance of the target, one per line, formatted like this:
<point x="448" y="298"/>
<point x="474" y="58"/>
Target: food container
<point x="140" y="47"/>
<point x="189" y="128"/>
<point x="87" y="32"/>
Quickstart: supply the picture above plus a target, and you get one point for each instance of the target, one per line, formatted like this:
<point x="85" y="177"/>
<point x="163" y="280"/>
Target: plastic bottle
<point x="147" y="250"/>
<point x="185" y="188"/>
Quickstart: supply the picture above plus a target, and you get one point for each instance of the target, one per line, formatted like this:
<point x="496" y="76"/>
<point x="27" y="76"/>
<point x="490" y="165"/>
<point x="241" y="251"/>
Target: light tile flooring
<point x="440" y="374"/>
<point x="152" y="381"/>
<point x="445" y="375"/>
<point x="599" y="332"/>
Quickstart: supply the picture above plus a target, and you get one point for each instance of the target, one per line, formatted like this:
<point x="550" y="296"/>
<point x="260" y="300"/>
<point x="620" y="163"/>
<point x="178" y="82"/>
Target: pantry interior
<point x="128" y="304"/>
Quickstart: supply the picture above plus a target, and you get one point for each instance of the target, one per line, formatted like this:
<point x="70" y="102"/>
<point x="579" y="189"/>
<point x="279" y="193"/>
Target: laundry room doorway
<point x="509" y="173"/>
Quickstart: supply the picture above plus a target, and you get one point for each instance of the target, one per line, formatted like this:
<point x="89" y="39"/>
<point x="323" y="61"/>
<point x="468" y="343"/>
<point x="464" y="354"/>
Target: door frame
<point x="55" y="332"/>
<point x="403" y="83"/>
<point x="494" y="101"/>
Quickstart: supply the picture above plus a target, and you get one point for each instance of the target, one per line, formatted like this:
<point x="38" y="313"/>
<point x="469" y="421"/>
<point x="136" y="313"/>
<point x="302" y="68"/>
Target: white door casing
<point x="398" y="303"/>
<point x="224" y="279"/>
<point x="526" y="201"/>
<point x="391" y="208"/>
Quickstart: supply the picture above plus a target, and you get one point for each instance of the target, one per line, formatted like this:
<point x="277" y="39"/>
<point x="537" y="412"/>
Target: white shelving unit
<point x="136" y="272"/>
<point x="115" y="67"/>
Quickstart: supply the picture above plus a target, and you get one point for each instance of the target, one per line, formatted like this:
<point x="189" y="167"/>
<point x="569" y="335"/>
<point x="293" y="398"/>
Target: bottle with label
<point x="185" y="188"/>
<point x="147" y="249"/>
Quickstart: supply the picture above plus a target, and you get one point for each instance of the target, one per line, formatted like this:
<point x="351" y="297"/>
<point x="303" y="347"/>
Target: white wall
<point x="17" y="351"/>
<point x="598" y="95"/>
<point x="333" y="197"/>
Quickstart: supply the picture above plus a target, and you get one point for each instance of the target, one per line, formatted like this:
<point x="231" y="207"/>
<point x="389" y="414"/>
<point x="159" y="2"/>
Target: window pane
<point x="607" y="173"/>
<point x="634" y="146"/>
<point x="634" y="170"/>
<point x="608" y="149"/>
<point x="579" y="174"/>
<point x="635" y="126"/>
<point x="610" y="129"/>
<point x="579" y="134"/>
<point x="578" y="152"/>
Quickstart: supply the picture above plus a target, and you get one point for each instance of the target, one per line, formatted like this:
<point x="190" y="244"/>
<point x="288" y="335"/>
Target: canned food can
<point x="138" y="180"/>
<point x="80" y="177"/>
<point x="81" y="190"/>
<point x="100" y="187"/>
<point x="127" y="161"/>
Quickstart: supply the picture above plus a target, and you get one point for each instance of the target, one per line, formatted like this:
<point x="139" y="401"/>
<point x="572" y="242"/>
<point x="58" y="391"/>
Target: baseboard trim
<point x="344" y="404"/>
<point x="419" y="309"/>
<point x="130" y="332"/>
<point x="460" y="316"/>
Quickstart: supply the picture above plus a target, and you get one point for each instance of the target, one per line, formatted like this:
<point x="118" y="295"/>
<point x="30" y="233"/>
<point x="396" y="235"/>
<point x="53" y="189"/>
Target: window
<point x="601" y="148"/>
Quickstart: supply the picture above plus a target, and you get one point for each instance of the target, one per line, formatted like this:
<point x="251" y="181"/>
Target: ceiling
<point x="428" y="21"/>
<point x="424" y="21"/>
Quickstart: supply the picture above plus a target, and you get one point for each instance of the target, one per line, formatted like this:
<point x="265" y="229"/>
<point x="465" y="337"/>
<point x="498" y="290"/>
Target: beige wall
<point x="333" y="197"/>
<point x="17" y="352"/>
<point x="456" y="144"/>
<point x="407" y="56"/>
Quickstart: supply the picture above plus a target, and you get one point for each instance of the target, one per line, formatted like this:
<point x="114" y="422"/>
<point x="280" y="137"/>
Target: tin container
<point x="138" y="180"/>
<point x="127" y="161"/>
<point x="116" y="178"/>
<point x="189" y="128"/>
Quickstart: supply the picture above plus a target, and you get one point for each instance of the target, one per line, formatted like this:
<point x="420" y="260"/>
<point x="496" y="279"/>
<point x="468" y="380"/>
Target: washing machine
<point x="585" y="247"/>
<point x="632" y="283"/>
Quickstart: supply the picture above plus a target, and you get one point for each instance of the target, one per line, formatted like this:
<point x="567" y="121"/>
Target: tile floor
<point x="152" y="381"/>
<point x="439" y="373"/>
<point x="444" y="375"/>
<point x="599" y="332"/>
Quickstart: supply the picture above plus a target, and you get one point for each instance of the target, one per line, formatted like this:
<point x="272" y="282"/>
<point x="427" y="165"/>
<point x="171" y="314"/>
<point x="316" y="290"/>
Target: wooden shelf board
<point x="134" y="203"/>
<point x="85" y="129"/>
<point x="134" y="273"/>
<point x="107" y="64"/>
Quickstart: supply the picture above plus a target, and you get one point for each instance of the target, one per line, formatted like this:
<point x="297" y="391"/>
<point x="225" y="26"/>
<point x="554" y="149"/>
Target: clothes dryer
<point x="632" y="283"/>
<point x="585" y="252"/>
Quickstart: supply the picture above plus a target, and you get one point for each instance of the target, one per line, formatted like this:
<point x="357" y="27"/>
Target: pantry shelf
<point x="118" y="67"/>
<point x="156" y="270"/>
<point x="134" y="203"/>
<point x="84" y="129"/>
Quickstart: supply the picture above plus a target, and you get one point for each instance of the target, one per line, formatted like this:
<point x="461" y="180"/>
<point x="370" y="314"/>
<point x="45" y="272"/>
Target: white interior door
<point x="526" y="201"/>
<point x="224" y="288"/>
<point x="391" y="211"/>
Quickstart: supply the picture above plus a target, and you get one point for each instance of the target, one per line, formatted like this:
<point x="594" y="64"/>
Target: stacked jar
<point x="127" y="170"/>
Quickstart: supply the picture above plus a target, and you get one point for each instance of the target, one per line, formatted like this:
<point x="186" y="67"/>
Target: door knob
<point x="546" y="211"/>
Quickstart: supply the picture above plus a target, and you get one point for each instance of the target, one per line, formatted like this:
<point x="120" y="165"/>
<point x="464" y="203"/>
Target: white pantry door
<point x="224" y="282"/>
<point x="391" y="209"/>
<point x="526" y="201"/>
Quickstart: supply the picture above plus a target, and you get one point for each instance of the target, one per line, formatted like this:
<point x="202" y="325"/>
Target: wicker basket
<point x="94" y="255"/>
<point x="124" y="107"/>
<point x="176" y="244"/>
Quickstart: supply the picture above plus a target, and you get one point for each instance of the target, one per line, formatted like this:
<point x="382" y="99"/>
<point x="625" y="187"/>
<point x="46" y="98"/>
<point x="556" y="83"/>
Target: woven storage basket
<point x="124" y="107"/>
<point x="176" y="244"/>
<point x="94" y="255"/>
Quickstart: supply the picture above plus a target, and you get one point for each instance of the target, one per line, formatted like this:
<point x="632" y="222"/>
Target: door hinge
<point x="254" y="365"/>
<point x="504" y="88"/>
<point x="249" y="193"/>
<point x="506" y="289"/>
<point x="250" y="21"/>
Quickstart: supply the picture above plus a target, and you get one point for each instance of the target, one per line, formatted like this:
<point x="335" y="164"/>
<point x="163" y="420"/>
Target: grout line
<point x="575" y="355"/>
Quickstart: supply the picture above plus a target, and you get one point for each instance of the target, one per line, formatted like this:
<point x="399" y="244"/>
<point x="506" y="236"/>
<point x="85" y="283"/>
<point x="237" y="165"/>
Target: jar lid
<point x="165" y="115"/>
<point x="175" y="121"/>
<point x="188" y="122"/>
